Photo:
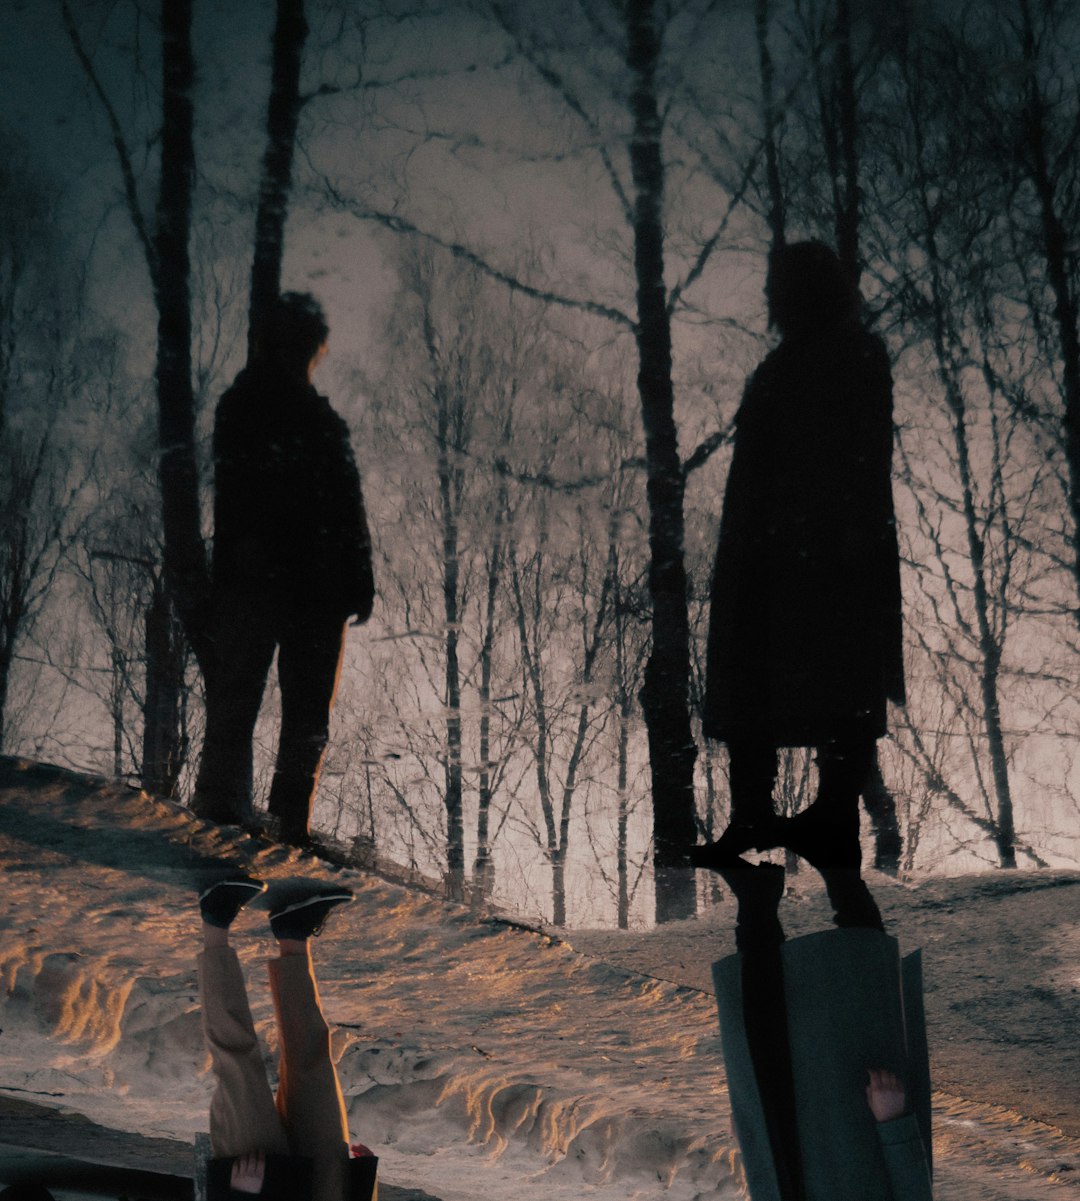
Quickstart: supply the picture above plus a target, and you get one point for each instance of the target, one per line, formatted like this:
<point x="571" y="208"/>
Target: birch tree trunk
<point x="1059" y="255"/>
<point x="275" y="185"/>
<point x="186" y="568"/>
<point x="665" y="699"/>
<point x="987" y="635"/>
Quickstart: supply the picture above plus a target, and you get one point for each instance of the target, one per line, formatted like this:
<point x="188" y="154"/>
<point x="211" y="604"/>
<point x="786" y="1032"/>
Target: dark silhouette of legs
<point x="309" y="660"/>
<point x="245" y="636"/>
<point x="826" y="834"/>
<point x="758" y="936"/>
<point x="752" y="774"/>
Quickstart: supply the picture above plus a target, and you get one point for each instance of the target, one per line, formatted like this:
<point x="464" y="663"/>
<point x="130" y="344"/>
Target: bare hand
<point x="885" y="1095"/>
<point x="248" y="1171"/>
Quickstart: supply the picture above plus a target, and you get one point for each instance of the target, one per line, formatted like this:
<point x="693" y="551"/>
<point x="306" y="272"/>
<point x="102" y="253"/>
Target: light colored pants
<point x="308" y="1115"/>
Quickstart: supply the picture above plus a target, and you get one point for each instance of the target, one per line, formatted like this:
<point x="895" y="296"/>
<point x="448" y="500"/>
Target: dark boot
<point x="760" y="834"/>
<point x="222" y="900"/>
<point x="759" y="936"/>
<point x="753" y="823"/>
<point x="829" y="842"/>
<point x="758" y="890"/>
<point x="852" y="902"/>
<point x="825" y="837"/>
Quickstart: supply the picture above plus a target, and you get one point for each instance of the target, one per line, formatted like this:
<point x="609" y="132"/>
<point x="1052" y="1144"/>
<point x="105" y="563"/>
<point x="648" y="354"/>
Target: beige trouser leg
<point x="309" y="1096"/>
<point x="242" y="1113"/>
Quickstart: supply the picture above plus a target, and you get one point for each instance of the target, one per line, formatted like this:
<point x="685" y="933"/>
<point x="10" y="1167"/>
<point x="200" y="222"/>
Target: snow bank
<point x="482" y="1060"/>
<point x="473" y="1056"/>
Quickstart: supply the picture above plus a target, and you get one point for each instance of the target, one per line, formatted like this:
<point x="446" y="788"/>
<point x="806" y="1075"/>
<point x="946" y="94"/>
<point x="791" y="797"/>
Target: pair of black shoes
<point x="298" y="918"/>
<point x="825" y="840"/>
<point x="830" y="845"/>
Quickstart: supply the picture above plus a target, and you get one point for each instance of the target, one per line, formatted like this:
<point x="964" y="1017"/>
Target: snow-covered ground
<point x="480" y="1059"/>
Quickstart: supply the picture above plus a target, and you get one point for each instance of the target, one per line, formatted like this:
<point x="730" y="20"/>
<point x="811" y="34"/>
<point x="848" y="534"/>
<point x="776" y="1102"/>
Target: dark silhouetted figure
<point x="292" y="561"/>
<point x="824" y="1041"/>
<point x="805" y="631"/>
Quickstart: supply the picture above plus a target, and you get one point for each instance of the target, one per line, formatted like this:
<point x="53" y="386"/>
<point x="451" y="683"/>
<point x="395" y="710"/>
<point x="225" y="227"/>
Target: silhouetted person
<point x="804" y="641"/>
<point x="292" y="561"/>
<point x="292" y="1146"/>
<point x="824" y="1042"/>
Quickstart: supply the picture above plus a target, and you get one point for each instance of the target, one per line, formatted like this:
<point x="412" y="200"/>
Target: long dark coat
<point x="851" y="1004"/>
<point x="289" y="519"/>
<point x="804" y="634"/>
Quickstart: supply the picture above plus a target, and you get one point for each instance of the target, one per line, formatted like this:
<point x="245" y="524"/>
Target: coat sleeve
<point x="864" y="438"/>
<point x="884" y="552"/>
<point x="905" y="1159"/>
<point x="233" y="485"/>
<point x="357" y="570"/>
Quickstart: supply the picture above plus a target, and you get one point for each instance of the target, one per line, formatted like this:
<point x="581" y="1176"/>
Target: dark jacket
<point x="805" y="632"/>
<point x="289" y="520"/>
<point x="851" y="1005"/>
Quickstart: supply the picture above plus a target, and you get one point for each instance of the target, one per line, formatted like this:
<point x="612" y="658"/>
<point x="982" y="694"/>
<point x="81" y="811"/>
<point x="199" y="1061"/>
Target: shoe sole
<point x="255" y="889"/>
<point x="313" y="900"/>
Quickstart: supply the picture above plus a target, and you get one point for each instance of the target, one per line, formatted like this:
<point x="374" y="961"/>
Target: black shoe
<point x="824" y="840"/>
<point x="852" y="902"/>
<point x="223" y="900"/>
<point x="758" y="888"/>
<point x="740" y="836"/>
<point x="301" y="839"/>
<point x="304" y="918"/>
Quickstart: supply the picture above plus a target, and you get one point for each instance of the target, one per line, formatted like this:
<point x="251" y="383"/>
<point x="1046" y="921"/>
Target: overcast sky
<point x="456" y="134"/>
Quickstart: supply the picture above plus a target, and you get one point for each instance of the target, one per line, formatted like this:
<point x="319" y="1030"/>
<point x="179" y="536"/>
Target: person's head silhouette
<point x="295" y="333"/>
<point x="808" y="289"/>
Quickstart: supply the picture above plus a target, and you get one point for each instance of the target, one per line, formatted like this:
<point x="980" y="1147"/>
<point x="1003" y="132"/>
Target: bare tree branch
<point x="401" y="225"/>
<point x="131" y="194"/>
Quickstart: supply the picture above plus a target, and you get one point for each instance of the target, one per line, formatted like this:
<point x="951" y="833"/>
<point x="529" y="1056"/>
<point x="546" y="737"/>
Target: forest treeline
<point x="576" y="204"/>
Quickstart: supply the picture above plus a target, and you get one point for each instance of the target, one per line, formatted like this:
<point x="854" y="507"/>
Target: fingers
<point x="248" y="1171"/>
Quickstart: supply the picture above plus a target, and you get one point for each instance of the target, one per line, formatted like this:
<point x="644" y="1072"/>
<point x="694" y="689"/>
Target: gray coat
<point x="852" y="1004"/>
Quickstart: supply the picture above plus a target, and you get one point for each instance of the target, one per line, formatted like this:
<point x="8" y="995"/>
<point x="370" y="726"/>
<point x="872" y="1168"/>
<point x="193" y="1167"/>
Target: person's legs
<point x="826" y="834"/>
<point x="752" y="775"/>
<point x="309" y="661"/>
<point x="244" y="640"/>
<point x="243" y="1117"/>
<point x="309" y="1099"/>
<point x="758" y="937"/>
<point x="843" y="769"/>
<point x="752" y="769"/>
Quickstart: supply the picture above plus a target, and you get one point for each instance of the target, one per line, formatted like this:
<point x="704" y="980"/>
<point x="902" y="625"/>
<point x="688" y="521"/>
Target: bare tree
<point x="564" y="718"/>
<point x="275" y="184"/>
<point x="978" y="526"/>
<point x="42" y="466"/>
<point x="624" y="655"/>
<point x="625" y="126"/>
<point x="1043" y="129"/>
<point x="166" y="247"/>
<point x="445" y="413"/>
